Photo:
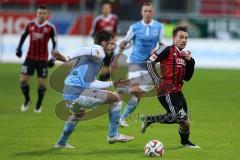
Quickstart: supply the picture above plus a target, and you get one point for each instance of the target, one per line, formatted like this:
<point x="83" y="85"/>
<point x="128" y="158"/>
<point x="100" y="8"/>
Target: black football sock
<point x="104" y="77"/>
<point x="184" y="135"/>
<point x="41" y="93"/>
<point x="25" y="90"/>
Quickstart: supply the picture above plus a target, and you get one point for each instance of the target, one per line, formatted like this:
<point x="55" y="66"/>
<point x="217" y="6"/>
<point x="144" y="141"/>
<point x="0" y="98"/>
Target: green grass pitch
<point x="213" y="97"/>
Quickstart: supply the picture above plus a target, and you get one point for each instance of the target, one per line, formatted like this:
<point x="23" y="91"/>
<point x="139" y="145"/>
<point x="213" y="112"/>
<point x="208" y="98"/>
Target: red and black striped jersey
<point x="108" y="23"/>
<point x="173" y="67"/>
<point x="39" y="38"/>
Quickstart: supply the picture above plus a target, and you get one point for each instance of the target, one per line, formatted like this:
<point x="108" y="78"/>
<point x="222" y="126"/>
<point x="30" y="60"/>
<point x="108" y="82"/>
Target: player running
<point x="82" y="90"/>
<point x="40" y="32"/>
<point x="145" y="35"/>
<point x="176" y="65"/>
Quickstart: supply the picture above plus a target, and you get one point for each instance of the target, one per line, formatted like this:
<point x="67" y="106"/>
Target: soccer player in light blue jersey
<point x="82" y="90"/>
<point x="145" y="36"/>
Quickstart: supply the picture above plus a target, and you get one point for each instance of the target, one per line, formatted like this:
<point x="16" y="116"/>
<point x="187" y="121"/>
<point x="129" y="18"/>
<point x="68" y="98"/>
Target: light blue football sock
<point x="67" y="131"/>
<point x="114" y="116"/>
<point x="131" y="106"/>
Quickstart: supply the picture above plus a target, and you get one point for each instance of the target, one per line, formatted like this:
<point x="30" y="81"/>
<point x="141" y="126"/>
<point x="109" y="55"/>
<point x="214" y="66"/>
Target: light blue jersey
<point x="145" y="37"/>
<point x="82" y="74"/>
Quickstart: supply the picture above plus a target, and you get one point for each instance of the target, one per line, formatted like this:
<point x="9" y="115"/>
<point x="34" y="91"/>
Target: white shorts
<point x="142" y="81"/>
<point x="141" y="78"/>
<point x="90" y="98"/>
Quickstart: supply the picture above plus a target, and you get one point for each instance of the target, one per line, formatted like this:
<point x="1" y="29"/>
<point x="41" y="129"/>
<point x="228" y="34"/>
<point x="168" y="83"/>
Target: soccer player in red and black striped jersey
<point x="107" y="21"/>
<point x="176" y="65"/>
<point x="40" y="31"/>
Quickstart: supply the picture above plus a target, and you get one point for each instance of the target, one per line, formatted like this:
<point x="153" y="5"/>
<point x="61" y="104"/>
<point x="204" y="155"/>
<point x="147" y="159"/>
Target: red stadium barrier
<point x="14" y="22"/>
<point x="40" y="2"/>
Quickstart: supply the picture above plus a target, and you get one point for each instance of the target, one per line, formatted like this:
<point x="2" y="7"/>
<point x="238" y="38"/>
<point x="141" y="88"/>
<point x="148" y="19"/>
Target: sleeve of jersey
<point x="161" y="34"/>
<point x="23" y="37"/>
<point x="95" y="51"/>
<point x="100" y="84"/>
<point x="93" y="28"/>
<point x="129" y="35"/>
<point x="157" y="56"/>
<point x="54" y="37"/>
<point x="189" y="69"/>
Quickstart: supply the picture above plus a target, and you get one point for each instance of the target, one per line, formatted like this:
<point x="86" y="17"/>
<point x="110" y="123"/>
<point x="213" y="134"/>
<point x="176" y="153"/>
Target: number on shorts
<point x="24" y="69"/>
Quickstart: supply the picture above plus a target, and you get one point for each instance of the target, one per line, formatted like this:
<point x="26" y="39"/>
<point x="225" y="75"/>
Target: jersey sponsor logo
<point x="36" y="36"/>
<point x="181" y="61"/>
<point x="108" y="28"/>
<point x="153" y="57"/>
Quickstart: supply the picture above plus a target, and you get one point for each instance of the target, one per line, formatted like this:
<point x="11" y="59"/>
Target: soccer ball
<point x="154" y="148"/>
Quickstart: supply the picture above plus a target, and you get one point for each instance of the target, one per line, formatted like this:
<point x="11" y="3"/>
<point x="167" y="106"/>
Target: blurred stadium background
<point x="214" y="25"/>
<point x="213" y="93"/>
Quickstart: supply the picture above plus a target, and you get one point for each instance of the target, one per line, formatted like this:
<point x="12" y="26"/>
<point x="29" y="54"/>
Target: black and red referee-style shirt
<point x="39" y="38"/>
<point x="174" y="68"/>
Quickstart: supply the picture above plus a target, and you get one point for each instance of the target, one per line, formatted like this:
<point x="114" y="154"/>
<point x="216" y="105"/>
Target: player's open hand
<point x="121" y="83"/>
<point x="58" y="56"/>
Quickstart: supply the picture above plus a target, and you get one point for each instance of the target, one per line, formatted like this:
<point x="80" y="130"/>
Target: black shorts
<point x="175" y="104"/>
<point x="108" y="59"/>
<point x="29" y="66"/>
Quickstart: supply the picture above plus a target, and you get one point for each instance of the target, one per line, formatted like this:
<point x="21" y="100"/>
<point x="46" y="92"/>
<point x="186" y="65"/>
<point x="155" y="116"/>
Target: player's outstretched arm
<point x="103" y="85"/>
<point x="121" y="83"/>
<point x="58" y="56"/>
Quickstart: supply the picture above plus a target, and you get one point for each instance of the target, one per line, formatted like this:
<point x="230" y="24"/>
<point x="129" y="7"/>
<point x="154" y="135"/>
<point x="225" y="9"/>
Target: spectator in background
<point x="40" y="31"/>
<point x="107" y="22"/>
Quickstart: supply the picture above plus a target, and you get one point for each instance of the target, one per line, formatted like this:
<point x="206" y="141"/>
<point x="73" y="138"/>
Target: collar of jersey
<point x="108" y="18"/>
<point x="145" y="24"/>
<point x="40" y="25"/>
<point x="180" y="51"/>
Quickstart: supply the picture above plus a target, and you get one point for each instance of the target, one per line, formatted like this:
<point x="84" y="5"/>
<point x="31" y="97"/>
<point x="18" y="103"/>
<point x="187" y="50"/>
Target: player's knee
<point x="185" y="124"/>
<point x="133" y="101"/>
<point x="79" y="114"/>
<point x="23" y="83"/>
<point x="116" y="106"/>
<point x="116" y="98"/>
<point x="138" y="94"/>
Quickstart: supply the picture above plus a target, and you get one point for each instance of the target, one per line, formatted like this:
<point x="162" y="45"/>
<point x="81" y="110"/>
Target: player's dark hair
<point x="179" y="28"/>
<point x="102" y="36"/>
<point x="42" y="7"/>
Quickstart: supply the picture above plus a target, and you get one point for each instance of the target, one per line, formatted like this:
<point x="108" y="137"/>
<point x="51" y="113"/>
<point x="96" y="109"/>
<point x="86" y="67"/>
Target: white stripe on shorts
<point x="170" y="104"/>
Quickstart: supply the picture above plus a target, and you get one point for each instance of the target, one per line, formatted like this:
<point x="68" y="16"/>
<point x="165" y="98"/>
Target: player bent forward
<point x="82" y="90"/>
